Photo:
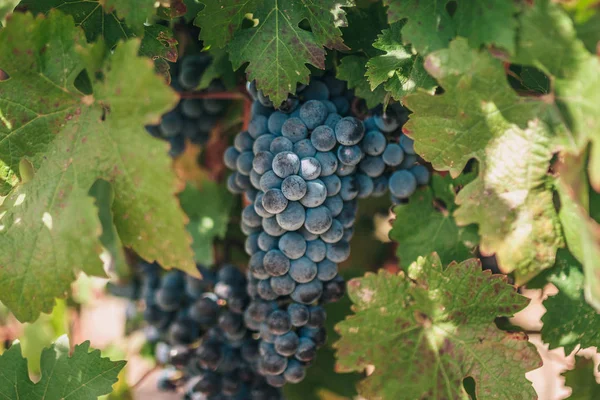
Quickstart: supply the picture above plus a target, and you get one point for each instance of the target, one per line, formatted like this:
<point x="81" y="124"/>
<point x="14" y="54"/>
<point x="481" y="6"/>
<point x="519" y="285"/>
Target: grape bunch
<point x="193" y="118"/>
<point x="302" y="168"/>
<point x="200" y="334"/>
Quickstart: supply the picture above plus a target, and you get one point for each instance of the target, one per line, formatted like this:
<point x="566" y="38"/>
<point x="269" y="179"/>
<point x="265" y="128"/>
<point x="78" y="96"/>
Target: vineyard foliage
<point x="504" y="100"/>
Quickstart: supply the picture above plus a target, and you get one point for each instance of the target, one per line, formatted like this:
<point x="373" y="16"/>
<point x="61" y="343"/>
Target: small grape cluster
<point x="193" y="118"/>
<point x="302" y="168"/>
<point x="200" y="334"/>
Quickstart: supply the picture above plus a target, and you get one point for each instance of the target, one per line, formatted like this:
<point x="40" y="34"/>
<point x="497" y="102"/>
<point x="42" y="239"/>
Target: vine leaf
<point x="352" y="69"/>
<point x="399" y="70"/>
<point x="427" y="332"/>
<point x="569" y="321"/>
<point x="208" y="209"/>
<point x="6" y="7"/>
<point x="135" y="12"/>
<point x="431" y="229"/>
<point x="98" y="19"/>
<point x="480" y="116"/>
<point x="277" y="49"/>
<point x="546" y="30"/>
<point x="431" y="26"/>
<point x="582" y="380"/>
<point x="50" y="225"/>
<point x="84" y="375"/>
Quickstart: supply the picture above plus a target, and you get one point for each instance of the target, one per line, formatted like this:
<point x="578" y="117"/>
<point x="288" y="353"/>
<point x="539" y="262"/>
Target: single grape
<point x="250" y="217"/>
<point x="230" y="157"/>
<point x="287" y="344"/>
<point x="328" y="161"/>
<point x="279" y="322"/>
<point x="276" y="121"/>
<point x="262" y="161"/>
<point x="273" y="364"/>
<point x="244" y="162"/>
<point x="365" y="185"/>
<point x="307" y="293"/>
<point x="334" y="233"/>
<point x="318" y="220"/>
<point x="243" y="142"/>
<point x="326" y="270"/>
<point x="373" y="166"/>
<point x="292" y="218"/>
<point x="338" y="252"/>
<point x="387" y="123"/>
<point x="293" y="245"/>
<point x="304" y="148"/>
<point x="293" y="187"/>
<point x="409" y="161"/>
<point x="303" y="270"/>
<point x="270" y="181"/>
<point x="316" y="250"/>
<point x="333" y="184"/>
<point x="258" y="126"/>
<point x="332" y="120"/>
<point x="276" y="263"/>
<point x="421" y="174"/>
<point x="272" y="227"/>
<point x="316" y="90"/>
<point x="274" y="201"/>
<point x="317" y="317"/>
<point x="402" y="184"/>
<point x="393" y="155"/>
<point x="349" y="131"/>
<point x="283" y="285"/>
<point x="294" y="129"/>
<point x="310" y="168"/>
<point x="263" y="143"/>
<point x="349" y="189"/>
<point x="299" y="314"/>
<point x="331" y="108"/>
<point x="408" y="145"/>
<point x="307" y="350"/>
<point x="294" y="372"/>
<point x="313" y="113"/>
<point x="323" y="138"/>
<point x="256" y="265"/>
<point x="171" y="124"/>
<point x="285" y="164"/>
<point x="267" y="242"/>
<point x="255" y="179"/>
<point x="281" y="144"/>
<point x="316" y="193"/>
<point x="265" y="290"/>
<point x="350" y="155"/>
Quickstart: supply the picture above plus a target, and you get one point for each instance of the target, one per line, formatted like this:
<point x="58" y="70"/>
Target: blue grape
<point x="255" y="179"/>
<point x="316" y="90"/>
<point x="272" y="227"/>
<point x="334" y="234"/>
<point x="274" y="201"/>
<point x="276" y="121"/>
<point x="256" y="265"/>
<point x="266" y="336"/>
<point x="333" y="184"/>
<point x="328" y="161"/>
<point x="317" y="317"/>
<point x="348" y="234"/>
<point x="292" y="218"/>
<point x="333" y="290"/>
<point x="310" y="168"/>
<point x="335" y="203"/>
<point x="421" y="173"/>
<point x="316" y="193"/>
<point x="318" y="220"/>
<point x="267" y="242"/>
<point x="250" y="217"/>
<point x="349" y="189"/>
<point x="408" y="145"/>
<point x="276" y="263"/>
<point x="326" y="270"/>
<point x="307" y="350"/>
<point x="349" y="131"/>
<point x="230" y="157"/>
<point x="281" y="144"/>
<point x="258" y="126"/>
<point x="373" y="166"/>
<point x="316" y="250"/>
<point x="341" y="104"/>
<point x="243" y="142"/>
<point x="303" y="270"/>
<point x="393" y="155"/>
<point x="293" y="245"/>
<point x="294" y="129"/>
<point x="365" y="185"/>
<point x="262" y="161"/>
<point x="307" y="293"/>
<point x="273" y="364"/>
<point x="192" y="108"/>
<point x="350" y="155"/>
<point x="279" y="322"/>
<point x="402" y="184"/>
<point x="304" y="148"/>
<point x="409" y="161"/>
<point x="265" y="290"/>
<point x="270" y="181"/>
<point x="345" y="170"/>
<point x="298" y="313"/>
<point x="332" y="120"/>
<point x="323" y="138"/>
<point x="251" y="244"/>
<point x="380" y="185"/>
<point x="336" y="87"/>
<point x="317" y="335"/>
<point x="259" y="109"/>
<point x="387" y="123"/>
<point x="287" y="344"/>
<point x="338" y="252"/>
<point x="369" y="124"/>
<point x="285" y="164"/>
<point x="330" y="106"/>
<point x="248" y="230"/>
<point x="244" y="162"/>
<point x="313" y="113"/>
<point x="295" y="372"/>
<point x="283" y="285"/>
<point x="276" y="381"/>
<point x="263" y="143"/>
<point x="293" y="187"/>
<point x="242" y="181"/>
<point x="171" y="124"/>
<point x="306" y="234"/>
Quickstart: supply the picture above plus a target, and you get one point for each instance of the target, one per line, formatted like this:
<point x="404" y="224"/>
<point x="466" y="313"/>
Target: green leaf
<point x="546" y="30"/>
<point x="135" y="12"/>
<point x="208" y="209"/>
<point x="277" y="49"/>
<point x="426" y="334"/>
<point x="99" y="20"/>
<point x="430" y="26"/>
<point x="50" y="226"/>
<point x="82" y="376"/>
<point x="582" y="380"/>
<point x="219" y="68"/>
<point x="569" y="321"/>
<point x="420" y="229"/>
<point x="372" y="20"/>
<point x="353" y="69"/>
<point x="536" y="80"/>
<point x="399" y="70"/>
<point x="480" y="116"/>
<point x="113" y="255"/>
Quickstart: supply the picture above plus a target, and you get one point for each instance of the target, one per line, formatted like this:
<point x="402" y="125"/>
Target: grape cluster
<point x="302" y="168"/>
<point x="201" y="335"/>
<point x="193" y="118"/>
